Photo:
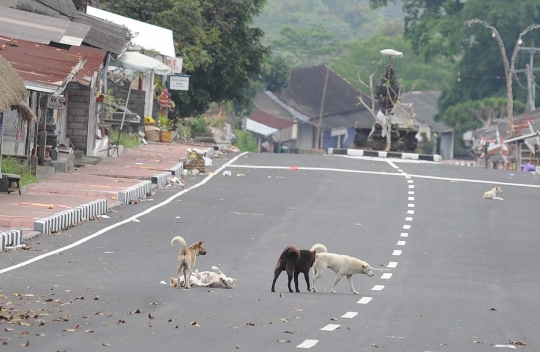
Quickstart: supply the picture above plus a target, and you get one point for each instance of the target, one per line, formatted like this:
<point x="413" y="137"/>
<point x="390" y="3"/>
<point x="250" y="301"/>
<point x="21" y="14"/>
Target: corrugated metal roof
<point x="39" y="28"/>
<point x="49" y="68"/>
<point x="104" y="34"/>
<point x="259" y="128"/>
<point x="148" y="36"/>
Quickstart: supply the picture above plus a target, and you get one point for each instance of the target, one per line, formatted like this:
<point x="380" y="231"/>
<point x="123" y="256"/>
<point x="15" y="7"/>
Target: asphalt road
<point x="454" y="272"/>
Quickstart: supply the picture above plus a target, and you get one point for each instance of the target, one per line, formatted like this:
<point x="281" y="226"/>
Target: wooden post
<point x="319" y="127"/>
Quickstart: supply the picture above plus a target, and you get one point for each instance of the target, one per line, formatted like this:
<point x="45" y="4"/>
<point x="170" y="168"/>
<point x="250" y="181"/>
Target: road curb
<point x="138" y="191"/>
<point x="10" y="238"/>
<point x="71" y="217"/>
<point x="177" y="169"/>
<point x="382" y="154"/>
<point x="160" y="180"/>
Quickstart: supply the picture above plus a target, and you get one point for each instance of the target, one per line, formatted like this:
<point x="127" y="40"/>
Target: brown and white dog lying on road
<point x="186" y="258"/>
<point x="342" y="265"/>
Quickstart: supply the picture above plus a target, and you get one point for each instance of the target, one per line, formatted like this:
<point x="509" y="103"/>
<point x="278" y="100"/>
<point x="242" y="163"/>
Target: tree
<point x="220" y="48"/>
<point x="436" y="28"/>
<point x="307" y="47"/>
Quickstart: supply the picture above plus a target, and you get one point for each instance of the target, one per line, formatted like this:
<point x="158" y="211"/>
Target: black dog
<point x="292" y="260"/>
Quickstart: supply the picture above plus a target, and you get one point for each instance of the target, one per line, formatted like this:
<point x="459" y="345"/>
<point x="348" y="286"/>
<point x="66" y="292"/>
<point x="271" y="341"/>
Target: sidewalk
<point x="65" y="199"/>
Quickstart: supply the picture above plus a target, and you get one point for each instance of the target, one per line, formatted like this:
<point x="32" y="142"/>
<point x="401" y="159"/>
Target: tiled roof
<point x="305" y="92"/>
<point x="269" y="120"/>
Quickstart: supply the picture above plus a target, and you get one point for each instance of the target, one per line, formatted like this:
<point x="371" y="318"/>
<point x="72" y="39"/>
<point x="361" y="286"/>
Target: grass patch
<point x="128" y="140"/>
<point x="23" y="169"/>
<point x="245" y="141"/>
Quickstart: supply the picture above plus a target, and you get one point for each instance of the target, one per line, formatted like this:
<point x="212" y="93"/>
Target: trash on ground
<point x="226" y="173"/>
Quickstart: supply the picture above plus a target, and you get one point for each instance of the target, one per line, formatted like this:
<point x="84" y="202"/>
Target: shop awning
<point x="138" y="62"/>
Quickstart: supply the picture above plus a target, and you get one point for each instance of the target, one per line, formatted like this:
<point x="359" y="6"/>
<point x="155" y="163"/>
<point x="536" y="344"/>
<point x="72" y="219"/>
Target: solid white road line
<point x="401" y="243"/>
<point x="386" y="276"/>
<point x="396" y="252"/>
<point x="377" y="288"/>
<point x="387" y="174"/>
<point x="118" y="224"/>
<point x="307" y="344"/>
<point x="364" y="300"/>
<point x="349" y="315"/>
<point x="330" y="327"/>
<point x="392" y="265"/>
<point x="404" y="234"/>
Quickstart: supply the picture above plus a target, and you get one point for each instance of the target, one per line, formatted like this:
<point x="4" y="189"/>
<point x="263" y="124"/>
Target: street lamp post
<point x="509" y="68"/>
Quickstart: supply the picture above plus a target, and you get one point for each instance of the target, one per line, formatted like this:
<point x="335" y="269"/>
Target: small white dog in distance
<point x="342" y="265"/>
<point x="493" y="194"/>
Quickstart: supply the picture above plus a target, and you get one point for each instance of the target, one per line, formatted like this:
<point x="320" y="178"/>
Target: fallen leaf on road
<point x="136" y="220"/>
<point x="333" y="318"/>
<point x="288" y="332"/>
<point x="153" y="303"/>
<point x="493" y="309"/>
<point x="88" y="331"/>
<point x="150" y="317"/>
<point x="8" y="329"/>
<point x="121" y="322"/>
<point x="42" y="335"/>
<point x="25" y="344"/>
<point x="250" y="324"/>
<point x="285" y="320"/>
<point x="194" y="323"/>
<point x="281" y="295"/>
<point x="134" y="312"/>
<point x="284" y="341"/>
<point x="298" y="309"/>
<point x="238" y="347"/>
<point x="517" y="343"/>
<point x="106" y="344"/>
<point x="169" y="321"/>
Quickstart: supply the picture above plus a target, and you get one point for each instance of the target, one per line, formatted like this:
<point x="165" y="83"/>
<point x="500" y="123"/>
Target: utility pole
<point x="529" y="69"/>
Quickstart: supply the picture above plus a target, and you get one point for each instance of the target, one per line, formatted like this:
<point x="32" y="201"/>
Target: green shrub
<point x="198" y="125"/>
<point x="128" y="140"/>
<point x="15" y="166"/>
<point x="245" y="141"/>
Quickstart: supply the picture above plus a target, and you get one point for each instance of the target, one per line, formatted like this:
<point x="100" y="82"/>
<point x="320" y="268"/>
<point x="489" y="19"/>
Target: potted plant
<point x="165" y="129"/>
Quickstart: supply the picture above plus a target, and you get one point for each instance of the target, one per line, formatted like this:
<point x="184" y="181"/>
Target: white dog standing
<point x="342" y="265"/>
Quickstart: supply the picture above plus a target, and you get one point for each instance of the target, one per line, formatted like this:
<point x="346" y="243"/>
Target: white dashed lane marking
<point x="396" y="252"/>
<point x="392" y="265"/>
<point x="411" y="192"/>
<point x="364" y="300"/>
<point x="410" y="181"/>
<point x="386" y="276"/>
<point x="377" y="288"/>
<point x="410" y="198"/>
<point x="401" y="243"/>
<point x="408" y="219"/>
<point x="349" y="315"/>
<point x="330" y="327"/>
<point x="410" y="212"/>
<point x="404" y="234"/>
<point x="307" y="344"/>
<point x="411" y="186"/>
<point x="406" y="227"/>
<point x="410" y="205"/>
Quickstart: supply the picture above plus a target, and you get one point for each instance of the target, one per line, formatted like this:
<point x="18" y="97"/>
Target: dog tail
<point x="180" y="240"/>
<point x="319" y="247"/>
<point x="216" y="270"/>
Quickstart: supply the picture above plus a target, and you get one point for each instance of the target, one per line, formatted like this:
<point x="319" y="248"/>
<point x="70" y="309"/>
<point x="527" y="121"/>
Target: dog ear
<point x="201" y="242"/>
<point x="365" y="266"/>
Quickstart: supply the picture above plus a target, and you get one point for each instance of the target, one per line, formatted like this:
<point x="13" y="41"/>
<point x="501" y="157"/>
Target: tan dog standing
<point x="493" y="194"/>
<point x="186" y="259"/>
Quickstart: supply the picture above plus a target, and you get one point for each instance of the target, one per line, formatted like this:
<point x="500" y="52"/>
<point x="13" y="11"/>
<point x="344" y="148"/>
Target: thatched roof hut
<point x="13" y="92"/>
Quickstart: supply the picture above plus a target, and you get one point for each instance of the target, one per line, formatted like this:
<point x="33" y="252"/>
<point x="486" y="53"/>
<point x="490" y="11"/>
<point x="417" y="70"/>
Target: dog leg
<point x="306" y="276"/>
<point x="296" y="273"/>
<point x="289" y="267"/>
<point x="336" y="280"/>
<point x="187" y="276"/>
<point x="277" y="272"/>
<point x="351" y="285"/>
<point x="317" y="273"/>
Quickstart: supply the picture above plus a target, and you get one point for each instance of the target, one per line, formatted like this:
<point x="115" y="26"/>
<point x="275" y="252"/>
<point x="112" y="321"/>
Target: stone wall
<point x="77" y="116"/>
